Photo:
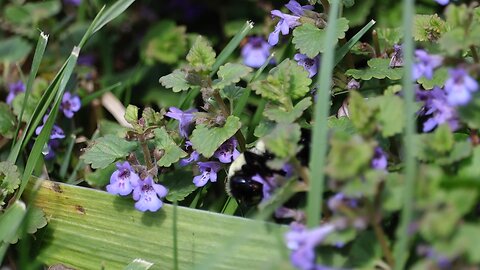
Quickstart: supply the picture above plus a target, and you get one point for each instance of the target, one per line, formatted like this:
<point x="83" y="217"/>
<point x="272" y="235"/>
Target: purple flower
<point x="379" y="160"/>
<point x="49" y="151"/>
<point x="70" y="104"/>
<point x="194" y="155"/>
<point x="209" y="171"/>
<point x="353" y="85"/>
<point x="340" y="199"/>
<point x="255" y="52"/>
<point x="302" y="242"/>
<point x="14" y="89"/>
<point x="296" y="8"/>
<point x="425" y="64"/>
<point x="459" y="87"/>
<point x="123" y="179"/>
<point x="86" y="60"/>
<point x="57" y="132"/>
<point x="309" y="64"/>
<point x="184" y="118"/>
<point x="438" y="109"/>
<point x="397" y="57"/>
<point x="148" y="195"/>
<point x="227" y="152"/>
<point x="442" y="2"/>
<point x="286" y="23"/>
<point x="72" y="2"/>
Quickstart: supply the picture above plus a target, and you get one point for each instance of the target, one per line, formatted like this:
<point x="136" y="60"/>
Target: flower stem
<point x="474" y="54"/>
<point x="226" y="112"/>
<point x="376" y="44"/>
<point x="379" y="233"/>
<point x="146" y="154"/>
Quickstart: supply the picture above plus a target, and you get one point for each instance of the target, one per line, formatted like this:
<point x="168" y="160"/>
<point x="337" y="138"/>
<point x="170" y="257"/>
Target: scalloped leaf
<point x="7" y="121"/>
<point x="177" y="80"/>
<point x="311" y="40"/>
<point x="230" y="73"/>
<point x="201" y="56"/>
<point x="439" y="77"/>
<point x="36" y="220"/>
<point x="106" y="150"/>
<point x="428" y="27"/>
<point x="206" y="140"/>
<point x="131" y="115"/>
<point x="165" y="42"/>
<point x="390" y="114"/>
<point x="285" y="82"/>
<point x="9" y="179"/>
<point x="280" y="116"/>
<point x="283" y="140"/>
<point x="378" y="68"/>
<point x="179" y="184"/>
<point x="172" y="153"/>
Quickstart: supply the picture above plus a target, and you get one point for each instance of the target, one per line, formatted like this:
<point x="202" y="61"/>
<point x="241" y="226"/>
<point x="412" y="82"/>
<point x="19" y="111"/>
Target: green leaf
<point x="138" y="264"/>
<point x="283" y="140"/>
<point x="439" y="77"/>
<point x="232" y="92"/>
<point x="7" y="121"/>
<point x="348" y="156"/>
<point x="177" y="80"/>
<point x="36" y="220"/>
<point x="442" y="139"/>
<point x="172" y="152"/>
<point x="428" y="27"/>
<point x="179" y="184"/>
<point x="151" y="117"/>
<point x="100" y="177"/>
<point x="470" y="113"/>
<point x="113" y="128"/>
<point x="88" y="220"/>
<point x="164" y="42"/>
<point x="390" y="115"/>
<point x="10" y="221"/>
<point x="263" y="128"/>
<point x="14" y="49"/>
<point x="32" y="12"/>
<point x="311" y="40"/>
<point x="201" y="56"/>
<point x="106" y="150"/>
<point x="229" y="74"/>
<point x="17" y="104"/>
<point x="378" y="68"/>
<point x="365" y="251"/>
<point x="389" y="36"/>
<point x="131" y="115"/>
<point x="280" y="116"/>
<point x="284" y="82"/>
<point x="206" y="140"/>
<point x="466" y="240"/>
<point x="342" y="124"/>
<point x="361" y="114"/>
<point x="9" y="179"/>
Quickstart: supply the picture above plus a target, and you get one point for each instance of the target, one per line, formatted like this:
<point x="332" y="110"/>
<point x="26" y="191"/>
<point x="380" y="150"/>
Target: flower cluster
<point x="69" y="106"/>
<point x="14" y="89"/>
<point x="302" y="243"/>
<point x="208" y="170"/>
<point x="256" y="52"/>
<point x="146" y="192"/>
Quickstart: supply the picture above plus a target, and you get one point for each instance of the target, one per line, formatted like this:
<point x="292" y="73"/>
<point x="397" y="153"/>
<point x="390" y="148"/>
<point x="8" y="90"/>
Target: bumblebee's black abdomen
<point x="246" y="190"/>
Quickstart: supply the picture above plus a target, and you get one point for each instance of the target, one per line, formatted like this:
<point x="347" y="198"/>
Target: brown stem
<point x="326" y="6"/>
<point x="226" y="112"/>
<point x="375" y="217"/>
<point x="474" y="54"/>
<point x="474" y="137"/>
<point x="376" y="44"/>
<point x="146" y="154"/>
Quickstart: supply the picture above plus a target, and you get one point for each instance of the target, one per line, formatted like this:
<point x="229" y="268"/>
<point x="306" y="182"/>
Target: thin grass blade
<point x="37" y="59"/>
<point x="340" y="53"/>
<point x="403" y="236"/>
<point x="44" y="135"/>
<point x="231" y="46"/>
<point x="320" y="129"/>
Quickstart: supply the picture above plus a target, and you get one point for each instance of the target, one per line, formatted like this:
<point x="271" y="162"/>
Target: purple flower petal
<point x="148" y="194"/>
<point x="309" y="64"/>
<point x="14" y="89"/>
<point x="255" y="52"/>
<point x="208" y="171"/>
<point x="184" y="118"/>
<point x="123" y="179"/>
